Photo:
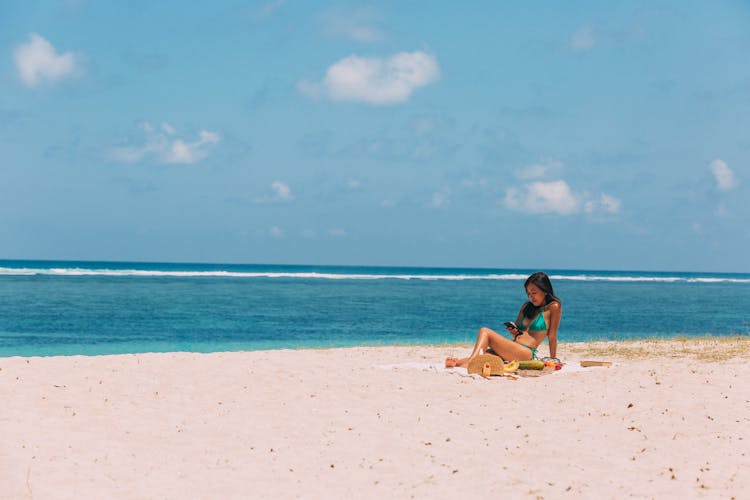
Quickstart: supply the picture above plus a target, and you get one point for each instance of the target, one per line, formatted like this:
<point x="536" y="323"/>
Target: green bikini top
<point x="539" y="324"/>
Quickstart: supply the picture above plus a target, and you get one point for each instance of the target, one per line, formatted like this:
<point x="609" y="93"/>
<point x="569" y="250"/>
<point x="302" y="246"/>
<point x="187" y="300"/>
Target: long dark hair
<point x="541" y="281"/>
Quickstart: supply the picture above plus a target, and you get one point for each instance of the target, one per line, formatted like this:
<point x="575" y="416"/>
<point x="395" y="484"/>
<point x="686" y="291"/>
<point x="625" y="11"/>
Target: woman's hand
<point x="514" y="331"/>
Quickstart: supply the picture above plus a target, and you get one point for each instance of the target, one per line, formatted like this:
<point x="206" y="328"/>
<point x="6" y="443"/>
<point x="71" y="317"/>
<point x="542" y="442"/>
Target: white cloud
<point x="353" y="184"/>
<point x="162" y="147"/>
<point x="583" y="39"/>
<point x="725" y="179"/>
<point x="374" y="80"/>
<point x="355" y="24"/>
<point x="610" y="203"/>
<point x="388" y="203"/>
<point x="127" y="155"/>
<point x="722" y="210"/>
<point x="543" y="197"/>
<point x="283" y="193"/>
<point x="167" y="128"/>
<point x="439" y="200"/>
<point x="37" y="61"/>
<point x="276" y="232"/>
<point x="605" y="203"/>
<point x="337" y="232"/>
<point x="539" y="170"/>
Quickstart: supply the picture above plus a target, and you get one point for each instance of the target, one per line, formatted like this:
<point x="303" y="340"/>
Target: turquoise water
<point x="54" y="308"/>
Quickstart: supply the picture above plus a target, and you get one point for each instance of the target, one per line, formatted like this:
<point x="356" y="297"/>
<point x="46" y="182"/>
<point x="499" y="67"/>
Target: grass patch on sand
<point x="702" y="348"/>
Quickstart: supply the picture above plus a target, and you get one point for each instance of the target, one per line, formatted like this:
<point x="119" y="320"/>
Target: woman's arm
<point x="519" y="321"/>
<point x="555" y="313"/>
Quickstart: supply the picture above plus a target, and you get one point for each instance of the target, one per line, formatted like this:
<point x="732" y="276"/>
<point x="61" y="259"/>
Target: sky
<point x="541" y="135"/>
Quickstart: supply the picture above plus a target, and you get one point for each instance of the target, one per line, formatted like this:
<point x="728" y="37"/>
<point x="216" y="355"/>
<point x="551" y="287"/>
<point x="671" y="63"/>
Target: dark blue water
<point x="53" y="308"/>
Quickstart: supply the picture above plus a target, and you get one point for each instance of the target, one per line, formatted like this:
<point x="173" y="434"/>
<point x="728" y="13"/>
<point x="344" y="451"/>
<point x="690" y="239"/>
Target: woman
<point x="538" y="318"/>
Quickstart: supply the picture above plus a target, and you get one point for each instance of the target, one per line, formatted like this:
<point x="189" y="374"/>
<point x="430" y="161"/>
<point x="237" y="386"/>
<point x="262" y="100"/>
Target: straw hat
<point x="477" y="364"/>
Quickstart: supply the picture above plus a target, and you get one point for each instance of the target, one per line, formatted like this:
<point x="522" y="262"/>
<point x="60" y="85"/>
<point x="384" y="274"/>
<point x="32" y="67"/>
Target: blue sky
<point x="582" y="135"/>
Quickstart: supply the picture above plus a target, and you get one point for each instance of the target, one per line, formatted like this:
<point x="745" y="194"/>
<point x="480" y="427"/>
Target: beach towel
<point x="570" y="367"/>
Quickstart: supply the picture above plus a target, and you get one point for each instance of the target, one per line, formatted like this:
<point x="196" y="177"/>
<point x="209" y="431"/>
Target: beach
<point x="668" y="419"/>
<point x="241" y="241"/>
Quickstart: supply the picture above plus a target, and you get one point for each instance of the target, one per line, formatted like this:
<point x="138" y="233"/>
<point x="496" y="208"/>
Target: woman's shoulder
<point x="554" y="306"/>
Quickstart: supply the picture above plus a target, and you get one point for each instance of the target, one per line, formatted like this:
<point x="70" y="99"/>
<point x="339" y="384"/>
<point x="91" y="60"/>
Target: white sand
<point x="328" y="424"/>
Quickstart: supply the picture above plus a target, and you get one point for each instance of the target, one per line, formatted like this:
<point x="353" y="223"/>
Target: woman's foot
<point x="451" y="362"/>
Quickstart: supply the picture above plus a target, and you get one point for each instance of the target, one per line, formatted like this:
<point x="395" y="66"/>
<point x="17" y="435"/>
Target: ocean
<point x="65" y="308"/>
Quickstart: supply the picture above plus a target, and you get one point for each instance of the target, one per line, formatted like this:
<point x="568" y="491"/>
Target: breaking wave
<point x="78" y="271"/>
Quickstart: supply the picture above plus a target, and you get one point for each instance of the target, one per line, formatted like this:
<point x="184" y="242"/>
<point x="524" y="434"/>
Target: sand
<point x="668" y="419"/>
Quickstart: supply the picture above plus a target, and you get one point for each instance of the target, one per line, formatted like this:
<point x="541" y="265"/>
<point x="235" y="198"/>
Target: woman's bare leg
<point x="502" y="346"/>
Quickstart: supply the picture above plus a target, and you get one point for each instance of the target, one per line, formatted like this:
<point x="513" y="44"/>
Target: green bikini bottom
<point x="533" y="351"/>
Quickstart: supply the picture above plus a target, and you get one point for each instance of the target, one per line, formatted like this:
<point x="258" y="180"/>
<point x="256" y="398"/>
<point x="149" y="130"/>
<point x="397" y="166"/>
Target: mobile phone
<point x="510" y="324"/>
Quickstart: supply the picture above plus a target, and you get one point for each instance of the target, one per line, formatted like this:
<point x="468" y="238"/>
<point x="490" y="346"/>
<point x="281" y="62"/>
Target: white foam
<point x="655" y="279"/>
<point x="77" y="271"/>
<point x="583" y="277"/>
<point x="237" y="274"/>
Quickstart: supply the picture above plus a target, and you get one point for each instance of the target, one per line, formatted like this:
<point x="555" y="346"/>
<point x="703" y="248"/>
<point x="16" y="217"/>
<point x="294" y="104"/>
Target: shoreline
<point x="372" y="421"/>
<point x="704" y="347"/>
